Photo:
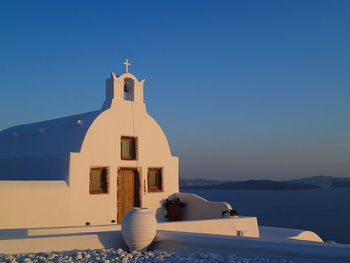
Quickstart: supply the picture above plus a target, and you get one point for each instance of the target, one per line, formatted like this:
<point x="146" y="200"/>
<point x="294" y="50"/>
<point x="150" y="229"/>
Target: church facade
<point x="87" y="169"/>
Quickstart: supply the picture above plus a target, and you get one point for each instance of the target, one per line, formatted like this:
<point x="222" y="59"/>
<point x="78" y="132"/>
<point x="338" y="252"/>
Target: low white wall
<point x="198" y="208"/>
<point x="109" y="236"/>
<point x="60" y="239"/>
<point x="291" y="249"/>
<point x="108" y="239"/>
<point x="275" y="233"/>
<point x="52" y="231"/>
<point x="240" y="226"/>
<point x="33" y="204"/>
<point x="67" y="238"/>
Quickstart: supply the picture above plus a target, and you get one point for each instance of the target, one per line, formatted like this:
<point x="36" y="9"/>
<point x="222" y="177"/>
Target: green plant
<point x="175" y="201"/>
<point x="173" y="208"/>
<point x="231" y="212"/>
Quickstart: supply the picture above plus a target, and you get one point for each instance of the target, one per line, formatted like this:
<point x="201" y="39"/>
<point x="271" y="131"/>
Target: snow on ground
<point x="119" y="255"/>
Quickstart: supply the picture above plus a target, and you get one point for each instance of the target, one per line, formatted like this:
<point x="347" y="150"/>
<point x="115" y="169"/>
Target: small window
<point x="128" y="148"/>
<point x="98" y="181"/>
<point x="155" y="180"/>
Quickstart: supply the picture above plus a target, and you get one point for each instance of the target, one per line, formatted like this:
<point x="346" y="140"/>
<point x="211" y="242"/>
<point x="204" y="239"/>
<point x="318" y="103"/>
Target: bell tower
<point x="124" y="88"/>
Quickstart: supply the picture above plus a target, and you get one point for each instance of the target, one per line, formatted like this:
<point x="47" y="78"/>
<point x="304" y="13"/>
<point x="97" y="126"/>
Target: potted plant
<point x="173" y="208"/>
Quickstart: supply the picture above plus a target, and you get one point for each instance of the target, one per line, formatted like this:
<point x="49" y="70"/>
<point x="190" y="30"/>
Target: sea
<point x="323" y="211"/>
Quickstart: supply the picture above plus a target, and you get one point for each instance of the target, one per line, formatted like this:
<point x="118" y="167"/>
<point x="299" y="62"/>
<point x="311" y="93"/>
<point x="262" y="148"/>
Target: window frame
<point x="105" y="189"/>
<point x="134" y="141"/>
<point x="160" y="184"/>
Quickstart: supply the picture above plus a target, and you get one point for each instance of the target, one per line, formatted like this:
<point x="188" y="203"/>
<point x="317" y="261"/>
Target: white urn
<point x="139" y="228"/>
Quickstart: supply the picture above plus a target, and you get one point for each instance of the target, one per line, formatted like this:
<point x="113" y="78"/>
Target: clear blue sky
<point x="243" y="89"/>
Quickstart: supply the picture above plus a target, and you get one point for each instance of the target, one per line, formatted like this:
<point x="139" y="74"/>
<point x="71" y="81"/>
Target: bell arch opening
<point x="129" y="89"/>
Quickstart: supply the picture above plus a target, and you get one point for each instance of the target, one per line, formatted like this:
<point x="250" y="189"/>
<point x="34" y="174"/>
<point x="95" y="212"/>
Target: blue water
<point x="324" y="211"/>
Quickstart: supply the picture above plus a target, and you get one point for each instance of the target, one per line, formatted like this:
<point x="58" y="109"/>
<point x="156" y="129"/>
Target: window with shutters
<point x="98" y="180"/>
<point x="155" y="180"/>
<point x="128" y="148"/>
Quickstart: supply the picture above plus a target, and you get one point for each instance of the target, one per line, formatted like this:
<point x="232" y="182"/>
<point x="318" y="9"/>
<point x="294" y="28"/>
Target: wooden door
<point x="128" y="192"/>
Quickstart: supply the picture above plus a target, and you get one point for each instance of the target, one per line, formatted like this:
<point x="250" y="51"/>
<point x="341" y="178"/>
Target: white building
<point x="87" y="169"/>
<point x="60" y="175"/>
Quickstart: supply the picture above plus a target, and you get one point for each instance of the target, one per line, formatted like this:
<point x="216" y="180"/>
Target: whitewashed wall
<point x="35" y="204"/>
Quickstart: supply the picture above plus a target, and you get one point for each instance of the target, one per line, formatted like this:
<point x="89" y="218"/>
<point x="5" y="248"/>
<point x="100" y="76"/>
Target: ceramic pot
<point x="174" y="212"/>
<point x="139" y="228"/>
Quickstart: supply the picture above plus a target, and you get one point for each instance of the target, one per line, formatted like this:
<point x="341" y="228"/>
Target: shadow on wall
<point x="160" y="213"/>
<point x="108" y="239"/>
<point x="21" y="241"/>
<point x="6" y="234"/>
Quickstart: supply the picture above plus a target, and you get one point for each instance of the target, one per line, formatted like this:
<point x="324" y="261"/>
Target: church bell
<point x="126" y="87"/>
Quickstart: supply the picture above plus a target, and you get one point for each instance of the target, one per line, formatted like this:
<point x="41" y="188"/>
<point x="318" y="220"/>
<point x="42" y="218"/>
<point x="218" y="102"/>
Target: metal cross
<point x="127" y="64"/>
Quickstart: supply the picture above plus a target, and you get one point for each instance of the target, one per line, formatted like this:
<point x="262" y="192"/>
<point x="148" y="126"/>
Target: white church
<point x="90" y="168"/>
<point x="67" y="183"/>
